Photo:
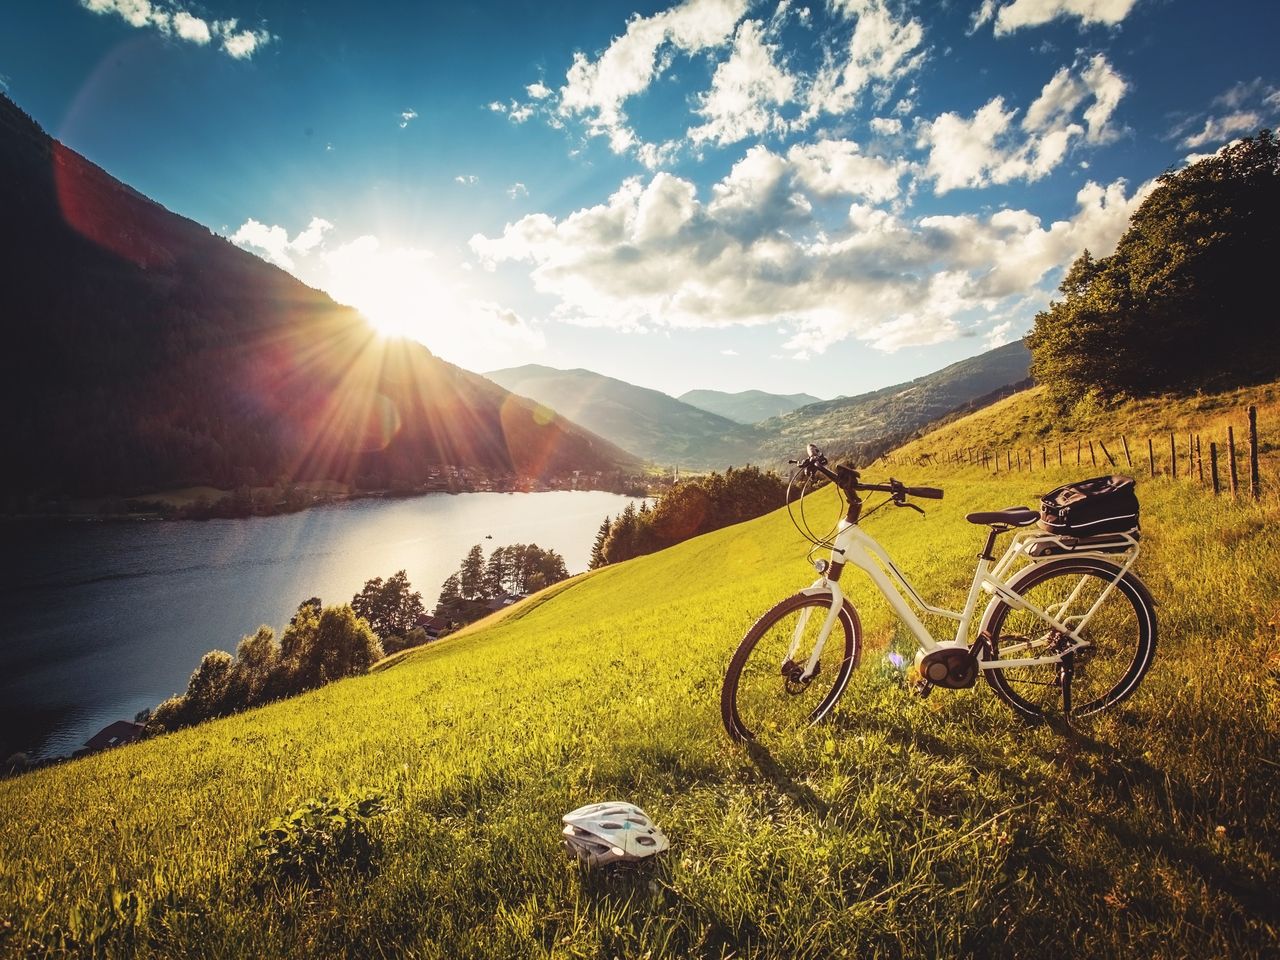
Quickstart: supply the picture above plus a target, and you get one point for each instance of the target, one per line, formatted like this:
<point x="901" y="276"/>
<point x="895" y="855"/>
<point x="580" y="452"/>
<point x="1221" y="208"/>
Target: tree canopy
<point x="1185" y="301"/>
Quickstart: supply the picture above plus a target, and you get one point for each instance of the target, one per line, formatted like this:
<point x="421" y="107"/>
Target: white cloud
<point x="987" y="148"/>
<point x="746" y="90"/>
<point x="880" y="52"/>
<point x="1032" y="13"/>
<point x="191" y="28"/>
<point x="517" y="190"/>
<point x="655" y="256"/>
<point x="886" y="126"/>
<point x="1249" y="105"/>
<point x="171" y="20"/>
<point x="538" y="90"/>
<point x="407" y="116"/>
<point x="274" y="244"/>
<point x="729" y="352"/>
<point x="598" y="89"/>
<point x="466" y="179"/>
<point x="999" y="335"/>
<point x="838" y="167"/>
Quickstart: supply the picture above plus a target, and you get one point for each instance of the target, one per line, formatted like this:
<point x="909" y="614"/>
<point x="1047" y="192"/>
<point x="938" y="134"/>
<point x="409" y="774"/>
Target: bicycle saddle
<point x="1008" y="517"/>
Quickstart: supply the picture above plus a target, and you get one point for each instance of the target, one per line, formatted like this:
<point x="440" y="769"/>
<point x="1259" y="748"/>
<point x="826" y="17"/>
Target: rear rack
<point x="1033" y="545"/>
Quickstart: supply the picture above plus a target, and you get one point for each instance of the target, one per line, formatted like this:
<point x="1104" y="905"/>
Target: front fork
<point x="819" y="586"/>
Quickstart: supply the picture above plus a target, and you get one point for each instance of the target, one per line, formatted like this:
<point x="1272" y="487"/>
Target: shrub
<point x="323" y="833"/>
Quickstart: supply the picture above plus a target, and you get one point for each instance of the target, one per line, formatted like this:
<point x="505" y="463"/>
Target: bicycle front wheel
<point x="1119" y="626"/>
<point x="765" y="692"/>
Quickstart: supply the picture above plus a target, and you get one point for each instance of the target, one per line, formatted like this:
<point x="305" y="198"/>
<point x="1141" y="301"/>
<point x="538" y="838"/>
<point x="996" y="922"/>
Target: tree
<point x="254" y="673"/>
<point x="323" y="647"/>
<point x="391" y="607"/>
<point x="450" y="595"/>
<point x="1179" y="304"/>
<point x="496" y="573"/>
<point x="597" y="548"/>
<point x="471" y="574"/>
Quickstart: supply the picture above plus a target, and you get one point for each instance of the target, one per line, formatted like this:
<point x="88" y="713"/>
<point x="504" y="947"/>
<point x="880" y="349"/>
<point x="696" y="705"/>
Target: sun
<point x="396" y="289"/>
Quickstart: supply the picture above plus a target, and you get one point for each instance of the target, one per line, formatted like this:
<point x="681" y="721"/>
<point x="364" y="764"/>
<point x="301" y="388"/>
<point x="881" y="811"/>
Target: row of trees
<point x="689" y="508"/>
<point x="320" y="644"/>
<point x="1183" y="301"/>
<point x="517" y="569"/>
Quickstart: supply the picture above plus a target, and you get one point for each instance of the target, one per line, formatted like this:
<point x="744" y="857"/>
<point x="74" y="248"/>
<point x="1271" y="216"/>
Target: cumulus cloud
<point x="273" y="243"/>
<point x="880" y="51"/>
<point x="655" y="255"/>
<point x="1013" y="16"/>
<point x="597" y="90"/>
<point x="407" y="117"/>
<point x="988" y="148"/>
<point x="517" y="190"/>
<point x="172" y="20"/>
<point x="999" y="335"/>
<point x="538" y="90"/>
<point x="886" y="126"/>
<point x="746" y="90"/>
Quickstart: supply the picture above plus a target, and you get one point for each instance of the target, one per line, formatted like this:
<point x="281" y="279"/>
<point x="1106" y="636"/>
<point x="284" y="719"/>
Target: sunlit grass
<point x="941" y="827"/>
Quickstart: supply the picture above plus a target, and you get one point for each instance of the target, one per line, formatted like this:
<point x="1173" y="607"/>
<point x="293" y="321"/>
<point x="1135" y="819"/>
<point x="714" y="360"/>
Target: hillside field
<point x="903" y="827"/>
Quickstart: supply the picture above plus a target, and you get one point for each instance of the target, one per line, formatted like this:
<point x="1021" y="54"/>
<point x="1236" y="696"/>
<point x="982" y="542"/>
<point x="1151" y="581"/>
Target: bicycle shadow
<point x="773" y="771"/>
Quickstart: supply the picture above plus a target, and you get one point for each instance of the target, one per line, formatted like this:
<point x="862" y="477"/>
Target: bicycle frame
<point x="854" y="546"/>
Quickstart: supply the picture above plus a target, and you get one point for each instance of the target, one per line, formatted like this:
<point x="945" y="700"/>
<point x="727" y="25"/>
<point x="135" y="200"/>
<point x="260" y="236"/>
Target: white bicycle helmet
<point x="601" y="833"/>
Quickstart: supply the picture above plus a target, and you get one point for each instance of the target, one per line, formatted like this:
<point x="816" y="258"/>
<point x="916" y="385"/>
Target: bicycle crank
<point x="952" y="667"/>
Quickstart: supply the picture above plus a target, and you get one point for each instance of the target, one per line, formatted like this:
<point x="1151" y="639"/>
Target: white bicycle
<point x="1069" y="628"/>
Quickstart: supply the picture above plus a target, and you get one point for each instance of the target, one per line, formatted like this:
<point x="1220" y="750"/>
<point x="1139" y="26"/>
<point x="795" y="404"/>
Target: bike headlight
<point x="821" y="566"/>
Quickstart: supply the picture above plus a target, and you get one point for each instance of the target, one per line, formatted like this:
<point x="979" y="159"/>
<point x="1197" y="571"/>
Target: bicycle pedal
<point x="922" y="688"/>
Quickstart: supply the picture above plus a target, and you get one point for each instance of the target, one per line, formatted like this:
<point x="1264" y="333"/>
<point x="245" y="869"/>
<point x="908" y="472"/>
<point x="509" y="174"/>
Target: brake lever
<point x="909" y="506"/>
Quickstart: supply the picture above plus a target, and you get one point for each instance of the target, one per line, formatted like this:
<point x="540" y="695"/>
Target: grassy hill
<point x="904" y="827"/>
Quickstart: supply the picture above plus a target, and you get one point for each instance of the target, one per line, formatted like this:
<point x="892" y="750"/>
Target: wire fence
<point x="1172" y="454"/>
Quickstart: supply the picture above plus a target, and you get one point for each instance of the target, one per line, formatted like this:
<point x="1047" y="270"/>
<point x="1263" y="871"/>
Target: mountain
<point x="868" y="421"/>
<point x="144" y="352"/>
<point x="747" y="406"/>
<point x="646" y="422"/>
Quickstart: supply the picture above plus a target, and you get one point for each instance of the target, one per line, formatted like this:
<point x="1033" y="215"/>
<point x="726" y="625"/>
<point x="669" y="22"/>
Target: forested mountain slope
<point x="144" y="352"/>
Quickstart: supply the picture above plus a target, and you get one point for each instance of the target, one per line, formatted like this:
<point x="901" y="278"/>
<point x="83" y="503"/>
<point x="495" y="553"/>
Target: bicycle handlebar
<point x="847" y="479"/>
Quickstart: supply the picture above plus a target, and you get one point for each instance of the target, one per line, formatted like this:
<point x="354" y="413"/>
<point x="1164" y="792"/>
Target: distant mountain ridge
<point x="668" y="431"/>
<point x="848" y="423"/>
<point x="647" y="422"/>
<point x="746" y="406"/>
<point x="145" y="352"/>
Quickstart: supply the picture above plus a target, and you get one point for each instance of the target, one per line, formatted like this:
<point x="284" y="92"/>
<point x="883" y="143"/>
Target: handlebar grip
<point x="927" y="493"/>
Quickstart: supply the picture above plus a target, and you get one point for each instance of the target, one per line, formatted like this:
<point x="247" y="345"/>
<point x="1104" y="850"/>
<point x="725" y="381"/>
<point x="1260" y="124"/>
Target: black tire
<point x="1122" y="633"/>
<point x="757" y="697"/>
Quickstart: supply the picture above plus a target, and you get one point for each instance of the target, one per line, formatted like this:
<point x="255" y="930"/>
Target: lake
<point x="102" y="620"/>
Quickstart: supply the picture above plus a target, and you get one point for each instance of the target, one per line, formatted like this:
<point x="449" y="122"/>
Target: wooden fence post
<point x="1191" y="458"/>
<point x="1173" y="457"/>
<point x="1151" y="456"/>
<point x="1044" y="456"/>
<point x="1019" y="461"/>
<point x="1059" y="453"/>
<point x="1127" y="459"/>
<point x="1008" y="460"/>
<point x="1077" y="453"/>
<point x="1093" y="457"/>
<point x="1231" y="454"/>
<point x="1200" y="460"/>
<point x="1254" y="486"/>
<point x="1213" y="465"/>
<point x="996" y="458"/>
<point x="1106" y="453"/>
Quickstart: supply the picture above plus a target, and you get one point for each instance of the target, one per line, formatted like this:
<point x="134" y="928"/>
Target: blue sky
<point x="823" y="197"/>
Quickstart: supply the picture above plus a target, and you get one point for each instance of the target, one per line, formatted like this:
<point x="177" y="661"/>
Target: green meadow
<point x="941" y="827"/>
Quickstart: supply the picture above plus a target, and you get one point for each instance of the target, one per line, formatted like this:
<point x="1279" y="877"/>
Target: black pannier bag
<point x="1090" y="507"/>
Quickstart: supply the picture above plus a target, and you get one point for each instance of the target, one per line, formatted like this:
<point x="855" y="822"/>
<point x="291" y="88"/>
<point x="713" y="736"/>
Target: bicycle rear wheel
<point x="1121" y="633"/>
<point x="764" y="693"/>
